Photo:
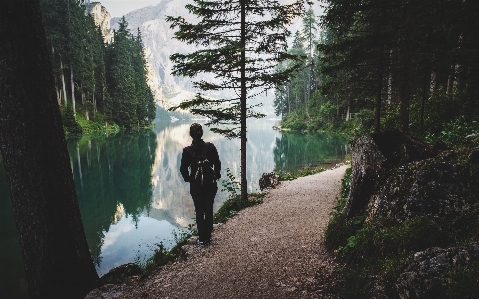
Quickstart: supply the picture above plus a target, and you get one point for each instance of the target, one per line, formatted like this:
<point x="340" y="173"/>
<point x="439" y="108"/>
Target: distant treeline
<point x="104" y="84"/>
<point x="405" y="64"/>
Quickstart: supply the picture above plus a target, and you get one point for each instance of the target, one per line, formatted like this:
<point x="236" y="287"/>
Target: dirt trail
<point x="273" y="250"/>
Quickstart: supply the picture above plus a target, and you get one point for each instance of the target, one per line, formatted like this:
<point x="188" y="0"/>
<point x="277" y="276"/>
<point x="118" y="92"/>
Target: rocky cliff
<point x="102" y="18"/>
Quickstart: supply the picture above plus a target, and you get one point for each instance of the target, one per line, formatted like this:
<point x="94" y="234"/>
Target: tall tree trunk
<point x="423" y="101"/>
<point x="32" y="143"/>
<point x="390" y="81"/>
<point x="73" y="90"/>
<point x="432" y="84"/>
<point x="63" y="84"/>
<point x="93" y="94"/>
<point x="348" y="112"/>
<point x="289" y="102"/>
<point x="405" y="88"/>
<point x="244" y="183"/>
<point x="377" y="114"/>
<point x="55" y="78"/>
<point x="450" y="80"/>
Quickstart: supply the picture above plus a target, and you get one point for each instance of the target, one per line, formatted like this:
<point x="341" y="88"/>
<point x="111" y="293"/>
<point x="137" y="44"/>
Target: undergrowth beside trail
<point x="163" y="256"/>
<point x="304" y="171"/>
<point x="373" y="252"/>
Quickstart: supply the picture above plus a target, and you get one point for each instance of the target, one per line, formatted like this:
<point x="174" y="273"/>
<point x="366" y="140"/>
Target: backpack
<point x="205" y="173"/>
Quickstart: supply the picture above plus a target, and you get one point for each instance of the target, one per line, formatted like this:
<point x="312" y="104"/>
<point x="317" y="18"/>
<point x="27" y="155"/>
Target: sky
<point x="118" y="8"/>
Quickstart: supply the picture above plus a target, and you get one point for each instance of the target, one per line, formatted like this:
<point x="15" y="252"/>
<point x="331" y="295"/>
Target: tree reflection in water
<point x="131" y="193"/>
<point x="295" y="150"/>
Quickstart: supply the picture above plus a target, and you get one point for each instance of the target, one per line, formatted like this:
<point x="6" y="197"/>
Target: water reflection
<point x="113" y="182"/>
<point x="293" y="150"/>
<point x="131" y="194"/>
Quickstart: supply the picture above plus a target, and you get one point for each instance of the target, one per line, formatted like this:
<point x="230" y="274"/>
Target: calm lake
<point x="132" y="196"/>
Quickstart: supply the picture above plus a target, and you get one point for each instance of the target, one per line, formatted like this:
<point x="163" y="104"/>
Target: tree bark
<point x="32" y="143"/>
<point x="73" y="90"/>
<point x="377" y="114"/>
<point x="63" y="84"/>
<point x="423" y="102"/>
<point x="244" y="183"/>
<point x="405" y="88"/>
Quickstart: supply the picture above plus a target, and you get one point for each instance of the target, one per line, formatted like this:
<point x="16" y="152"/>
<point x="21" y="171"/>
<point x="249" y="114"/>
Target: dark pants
<point x="204" y="197"/>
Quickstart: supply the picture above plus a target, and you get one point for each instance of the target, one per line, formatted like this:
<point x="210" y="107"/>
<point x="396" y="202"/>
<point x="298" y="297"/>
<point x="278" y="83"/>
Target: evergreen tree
<point x="120" y="78"/>
<point x="146" y="111"/>
<point x="240" y="43"/>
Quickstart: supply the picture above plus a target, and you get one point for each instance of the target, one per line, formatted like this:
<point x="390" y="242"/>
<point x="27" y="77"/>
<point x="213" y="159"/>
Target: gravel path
<point x="273" y="250"/>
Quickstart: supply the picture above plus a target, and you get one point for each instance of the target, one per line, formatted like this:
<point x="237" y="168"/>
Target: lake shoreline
<point x="250" y="253"/>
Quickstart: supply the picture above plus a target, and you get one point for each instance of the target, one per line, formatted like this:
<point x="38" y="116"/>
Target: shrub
<point x="297" y="126"/>
<point x="69" y="121"/>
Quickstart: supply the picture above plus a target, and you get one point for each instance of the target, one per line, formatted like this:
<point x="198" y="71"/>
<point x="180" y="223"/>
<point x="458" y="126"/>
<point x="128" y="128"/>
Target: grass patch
<point x="163" y="256"/>
<point x="305" y="171"/>
<point x="233" y="205"/>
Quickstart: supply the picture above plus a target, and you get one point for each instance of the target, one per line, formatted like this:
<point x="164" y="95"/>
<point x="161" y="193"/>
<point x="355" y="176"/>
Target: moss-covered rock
<point x="441" y="189"/>
<point x="433" y="273"/>
<point x="373" y="157"/>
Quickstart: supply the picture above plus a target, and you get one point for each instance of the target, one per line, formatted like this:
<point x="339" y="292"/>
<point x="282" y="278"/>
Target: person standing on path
<point x="203" y="162"/>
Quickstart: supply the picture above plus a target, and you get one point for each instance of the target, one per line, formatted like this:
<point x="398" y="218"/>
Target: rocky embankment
<point x="420" y="211"/>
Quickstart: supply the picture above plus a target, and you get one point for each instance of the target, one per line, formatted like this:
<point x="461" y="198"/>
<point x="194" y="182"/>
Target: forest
<point x="98" y="85"/>
<point x="376" y="65"/>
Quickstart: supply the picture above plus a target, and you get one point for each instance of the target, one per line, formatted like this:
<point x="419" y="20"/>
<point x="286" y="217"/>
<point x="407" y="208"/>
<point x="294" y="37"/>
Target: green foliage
<point x="297" y="126"/>
<point x="110" y="81"/>
<point x="69" y="122"/>
<point x="370" y="243"/>
<point x="230" y="39"/>
<point x="304" y="171"/>
<point x="96" y="124"/>
<point x="453" y="132"/>
<point x="233" y="205"/>
<point x="162" y="256"/>
<point x="230" y="185"/>
<point x="375" y="248"/>
<point x="418" y="79"/>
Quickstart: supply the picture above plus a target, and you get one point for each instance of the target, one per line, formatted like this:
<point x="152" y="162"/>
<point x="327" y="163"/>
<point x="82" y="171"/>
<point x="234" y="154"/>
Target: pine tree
<point x="120" y="78"/>
<point x="240" y="44"/>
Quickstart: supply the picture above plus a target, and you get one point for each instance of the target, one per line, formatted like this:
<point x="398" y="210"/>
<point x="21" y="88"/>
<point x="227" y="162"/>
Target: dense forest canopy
<point x="379" y="65"/>
<point x="105" y="84"/>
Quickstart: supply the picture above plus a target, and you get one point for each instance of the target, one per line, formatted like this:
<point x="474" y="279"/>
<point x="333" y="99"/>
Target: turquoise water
<point x="132" y="196"/>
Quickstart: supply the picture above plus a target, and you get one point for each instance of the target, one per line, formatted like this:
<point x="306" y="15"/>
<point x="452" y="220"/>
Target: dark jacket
<point x="188" y="160"/>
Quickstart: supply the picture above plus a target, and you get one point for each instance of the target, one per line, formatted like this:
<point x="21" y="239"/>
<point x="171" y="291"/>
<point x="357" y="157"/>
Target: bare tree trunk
<point x="390" y="82"/>
<point x="405" y="88"/>
<point x="93" y="94"/>
<point x="55" y="78"/>
<point x="244" y="183"/>
<point x="289" y="100"/>
<point x="63" y="84"/>
<point x="348" y="113"/>
<point x="432" y="84"/>
<point x="450" y="80"/>
<point x="73" y="90"/>
<point x="32" y="143"/>
<point x="423" y="101"/>
<point x="377" y="114"/>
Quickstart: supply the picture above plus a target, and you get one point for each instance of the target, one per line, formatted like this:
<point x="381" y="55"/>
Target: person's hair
<point x="196" y="131"/>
